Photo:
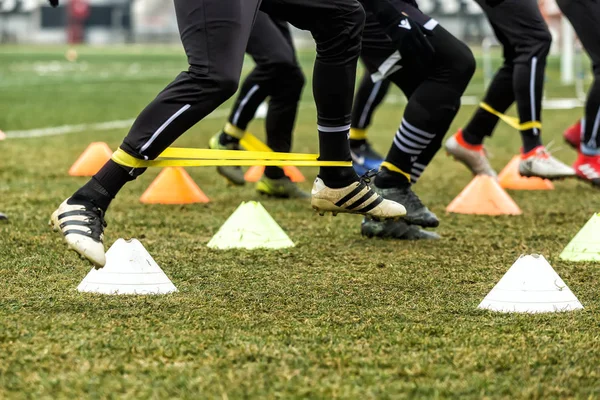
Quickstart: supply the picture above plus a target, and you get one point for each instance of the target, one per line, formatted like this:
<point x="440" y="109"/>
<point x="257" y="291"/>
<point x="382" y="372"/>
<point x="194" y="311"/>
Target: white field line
<point x="100" y="126"/>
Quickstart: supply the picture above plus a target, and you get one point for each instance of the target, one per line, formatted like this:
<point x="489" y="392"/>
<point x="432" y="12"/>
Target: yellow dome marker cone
<point x="250" y="227"/>
<point x="585" y="246"/>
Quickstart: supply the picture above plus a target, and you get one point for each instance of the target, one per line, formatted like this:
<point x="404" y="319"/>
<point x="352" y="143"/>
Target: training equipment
<point x="395" y="230"/>
<point x="484" y="196"/>
<point x="254" y="173"/>
<point x="250" y="227"/>
<point x="282" y="188"/>
<point x="510" y="178"/>
<point x="2" y="135"/>
<point x="530" y="286"/>
<point x="173" y="186"/>
<point x="585" y="246"/>
<point x="587" y="168"/>
<point x="82" y="226"/>
<point x="129" y="269"/>
<point x="416" y="212"/>
<point x="539" y="162"/>
<point x="356" y="198"/>
<point x="91" y="160"/>
<point x="473" y="157"/>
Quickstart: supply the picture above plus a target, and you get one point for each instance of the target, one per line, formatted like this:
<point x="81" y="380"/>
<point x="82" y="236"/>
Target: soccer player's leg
<point x="285" y="92"/>
<point x="434" y="99"/>
<point x="466" y="145"/>
<point x="521" y="29"/>
<point x="368" y="97"/>
<point x="585" y="18"/>
<point x="214" y="34"/>
<point x="336" y="27"/>
<point x="276" y="75"/>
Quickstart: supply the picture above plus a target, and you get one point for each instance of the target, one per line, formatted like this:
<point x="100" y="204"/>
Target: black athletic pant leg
<point x="336" y="26"/>
<point x="584" y="15"/>
<point x="433" y="95"/>
<point x="277" y="76"/>
<point x="521" y="29"/>
<point x="368" y="97"/>
<point x="214" y="34"/>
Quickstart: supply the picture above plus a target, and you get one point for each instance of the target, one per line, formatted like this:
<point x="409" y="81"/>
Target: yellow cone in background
<point x="250" y="227"/>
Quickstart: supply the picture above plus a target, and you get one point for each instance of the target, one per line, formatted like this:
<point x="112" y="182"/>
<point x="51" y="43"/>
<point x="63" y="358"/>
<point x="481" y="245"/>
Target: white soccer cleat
<point x="540" y="163"/>
<point x="473" y="157"/>
<point x="357" y="198"/>
<point x="82" y="227"/>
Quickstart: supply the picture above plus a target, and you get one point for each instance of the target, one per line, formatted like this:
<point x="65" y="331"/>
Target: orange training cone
<point x="91" y="160"/>
<point x="484" y="196"/>
<point x="255" y="173"/>
<point x="510" y="178"/>
<point x="173" y="186"/>
<point x="2" y="135"/>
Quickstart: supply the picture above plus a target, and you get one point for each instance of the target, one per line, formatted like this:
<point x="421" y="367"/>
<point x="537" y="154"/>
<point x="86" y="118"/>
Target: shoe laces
<point x="96" y="221"/>
<point x="368" y="176"/>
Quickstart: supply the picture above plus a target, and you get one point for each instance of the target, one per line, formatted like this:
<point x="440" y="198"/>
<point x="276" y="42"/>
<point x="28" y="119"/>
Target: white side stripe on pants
<point x="532" y="98"/>
<point x="163" y="127"/>
<point x="369" y="105"/>
<point x="243" y="103"/>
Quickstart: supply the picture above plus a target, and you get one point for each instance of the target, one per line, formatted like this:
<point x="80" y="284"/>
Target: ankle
<point x="338" y="177"/>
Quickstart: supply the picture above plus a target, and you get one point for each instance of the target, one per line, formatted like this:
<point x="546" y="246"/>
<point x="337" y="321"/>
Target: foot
<point x="416" y="212"/>
<point x="233" y="174"/>
<point x="82" y="226"/>
<point x="573" y="135"/>
<point x="364" y="158"/>
<point x="356" y="198"/>
<point x="395" y="230"/>
<point x="3" y="217"/>
<point x="539" y="162"/>
<point x="473" y="156"/>
<point x="282" y="188"/>
<point x="588" y="168"/>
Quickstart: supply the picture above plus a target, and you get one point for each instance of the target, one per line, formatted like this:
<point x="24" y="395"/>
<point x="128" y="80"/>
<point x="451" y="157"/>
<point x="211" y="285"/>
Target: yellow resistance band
<point x="184" y="157"/>
<point x="393" y="168"/>
<point x="512" y="121"/>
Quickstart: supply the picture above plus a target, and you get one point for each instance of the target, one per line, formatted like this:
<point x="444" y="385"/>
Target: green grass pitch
<point x="338" y="316"/>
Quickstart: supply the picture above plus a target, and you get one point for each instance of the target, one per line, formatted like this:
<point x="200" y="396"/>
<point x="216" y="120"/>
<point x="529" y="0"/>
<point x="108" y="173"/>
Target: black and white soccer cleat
<point x="82" y="226"/>
<point x="356" y="198"/>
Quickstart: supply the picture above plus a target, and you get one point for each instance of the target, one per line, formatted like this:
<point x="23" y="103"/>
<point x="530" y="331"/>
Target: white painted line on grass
<point x="100" y="126"/>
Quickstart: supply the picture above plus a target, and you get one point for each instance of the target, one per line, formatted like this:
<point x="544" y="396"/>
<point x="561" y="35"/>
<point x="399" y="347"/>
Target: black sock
<point x="334" y="146"/>
<point x="386" y="179"/>
<point x="472" y="137"/>
<point x="225" y="139"/>
<point x="274" y="172"/>
<point x="104" y="186"/>
<point x="530" y="140"/>
<point x="355" y="143"/>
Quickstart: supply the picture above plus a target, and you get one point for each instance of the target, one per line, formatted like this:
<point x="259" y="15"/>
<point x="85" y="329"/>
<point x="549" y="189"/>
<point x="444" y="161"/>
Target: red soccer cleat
<point x="573" y="135"/>
<point x="588" y="168"/>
